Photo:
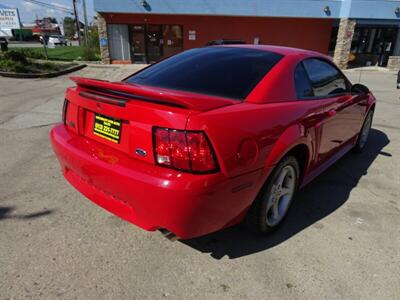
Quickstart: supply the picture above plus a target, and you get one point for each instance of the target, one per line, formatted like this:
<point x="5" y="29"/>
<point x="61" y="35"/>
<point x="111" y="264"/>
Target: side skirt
<point x="339" y="154"/>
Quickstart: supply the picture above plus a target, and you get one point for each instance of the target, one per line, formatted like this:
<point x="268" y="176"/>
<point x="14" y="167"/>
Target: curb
<point x="42" y="75"/>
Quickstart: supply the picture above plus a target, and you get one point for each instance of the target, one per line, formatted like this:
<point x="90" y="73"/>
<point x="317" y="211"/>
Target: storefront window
<point x="119" y="42"/>
<point x="172" y="35"/>
<point x="372" y="45"/>
<point x="150" y="43"/>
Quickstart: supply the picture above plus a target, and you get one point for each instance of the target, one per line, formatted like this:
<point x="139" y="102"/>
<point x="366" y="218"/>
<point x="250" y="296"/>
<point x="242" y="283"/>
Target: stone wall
<point x="104" y="49"/>
<point x="343" y="42"/>
<point x="394" y="63"/>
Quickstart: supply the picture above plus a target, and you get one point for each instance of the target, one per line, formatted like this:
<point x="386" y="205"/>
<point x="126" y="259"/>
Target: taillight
<point x="184" y="150"/>
<point x="64" y="111"/>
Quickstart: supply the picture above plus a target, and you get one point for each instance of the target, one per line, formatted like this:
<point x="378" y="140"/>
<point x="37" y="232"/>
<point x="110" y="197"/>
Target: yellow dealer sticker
<point x="107" y="128"/>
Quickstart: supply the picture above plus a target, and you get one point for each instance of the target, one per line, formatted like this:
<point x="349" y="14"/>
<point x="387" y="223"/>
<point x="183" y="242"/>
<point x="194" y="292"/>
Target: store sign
<point x="192" y="35"/>
<point x="9" y="18"/>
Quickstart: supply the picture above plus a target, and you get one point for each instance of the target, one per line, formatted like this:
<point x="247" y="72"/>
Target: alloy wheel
<point x="281" y="195"/>
<point x="365" y="131"/>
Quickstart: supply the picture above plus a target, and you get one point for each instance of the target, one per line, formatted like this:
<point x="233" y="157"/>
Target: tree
<point x="69" y="27"/>
<point x="92" y="49"/>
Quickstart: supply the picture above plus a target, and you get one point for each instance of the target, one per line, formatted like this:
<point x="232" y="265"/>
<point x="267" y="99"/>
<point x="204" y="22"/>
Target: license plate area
<point x="107" y="128"/>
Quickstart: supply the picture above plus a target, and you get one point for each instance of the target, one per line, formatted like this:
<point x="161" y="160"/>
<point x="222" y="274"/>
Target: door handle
<point x="331" y="112"/>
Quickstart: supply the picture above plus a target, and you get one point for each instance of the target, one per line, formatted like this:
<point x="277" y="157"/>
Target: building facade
<point x="354" y="32"/>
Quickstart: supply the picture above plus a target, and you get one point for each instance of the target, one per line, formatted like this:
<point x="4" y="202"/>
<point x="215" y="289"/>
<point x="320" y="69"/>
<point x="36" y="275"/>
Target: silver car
<point x="56" y="40"/>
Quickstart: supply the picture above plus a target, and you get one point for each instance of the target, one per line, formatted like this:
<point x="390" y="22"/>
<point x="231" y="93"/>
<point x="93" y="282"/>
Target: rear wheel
<point x="273" y="202"/>
<point x="364" y="133"/>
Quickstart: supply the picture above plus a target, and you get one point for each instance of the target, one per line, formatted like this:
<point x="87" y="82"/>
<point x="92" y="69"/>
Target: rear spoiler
<point x="131" y="92"/>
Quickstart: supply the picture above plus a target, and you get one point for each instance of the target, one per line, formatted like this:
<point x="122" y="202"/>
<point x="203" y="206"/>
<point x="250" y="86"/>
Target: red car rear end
<point x="132" y="173"/>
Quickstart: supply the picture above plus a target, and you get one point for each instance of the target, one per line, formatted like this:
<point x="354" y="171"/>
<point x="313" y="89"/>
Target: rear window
<point x="220" y="71"/>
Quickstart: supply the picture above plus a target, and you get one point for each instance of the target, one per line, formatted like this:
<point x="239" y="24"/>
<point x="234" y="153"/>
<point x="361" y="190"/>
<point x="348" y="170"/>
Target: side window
<point x="325" y="78"/>
<point x="303" y="84"/>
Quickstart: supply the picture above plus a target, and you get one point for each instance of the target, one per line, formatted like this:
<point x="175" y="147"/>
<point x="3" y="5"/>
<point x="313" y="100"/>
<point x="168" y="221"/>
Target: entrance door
<point x="119" y="43"/>
<point x="138" y="44"/>
<point x="154" y="42"/>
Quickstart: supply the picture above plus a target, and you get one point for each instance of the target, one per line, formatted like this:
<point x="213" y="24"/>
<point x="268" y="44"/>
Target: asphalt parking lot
<point x="341" y="241"/>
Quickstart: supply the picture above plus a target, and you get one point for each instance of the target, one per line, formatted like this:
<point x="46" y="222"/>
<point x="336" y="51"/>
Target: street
<point x="341" y="239"/>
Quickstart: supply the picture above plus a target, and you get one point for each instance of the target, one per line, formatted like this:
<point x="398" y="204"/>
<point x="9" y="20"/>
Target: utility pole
<point x="77" y="22"/>
<point x="86" y="22"/>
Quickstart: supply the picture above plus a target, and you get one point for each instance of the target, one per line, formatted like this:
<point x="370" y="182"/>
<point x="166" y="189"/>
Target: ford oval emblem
<point x="141" y="152"/>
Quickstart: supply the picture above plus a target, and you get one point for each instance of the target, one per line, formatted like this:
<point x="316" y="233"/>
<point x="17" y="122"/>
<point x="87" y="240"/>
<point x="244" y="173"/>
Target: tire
<point x="364" y="133"/>
<point x="272" y="204"/>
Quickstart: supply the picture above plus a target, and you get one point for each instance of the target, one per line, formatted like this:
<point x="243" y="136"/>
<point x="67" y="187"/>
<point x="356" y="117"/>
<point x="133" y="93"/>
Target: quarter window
<point x="325" y="78"/>
<point x="303" y="84"/>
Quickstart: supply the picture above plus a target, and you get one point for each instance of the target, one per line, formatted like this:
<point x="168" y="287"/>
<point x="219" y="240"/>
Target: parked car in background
<point x="58" y="40"/>
<point x="188" y="147"/>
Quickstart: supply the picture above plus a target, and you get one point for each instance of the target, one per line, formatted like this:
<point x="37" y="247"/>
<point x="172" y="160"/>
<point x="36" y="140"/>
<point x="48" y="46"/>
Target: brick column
<point x="343" y="42"/>
<point x="103" y="36"/>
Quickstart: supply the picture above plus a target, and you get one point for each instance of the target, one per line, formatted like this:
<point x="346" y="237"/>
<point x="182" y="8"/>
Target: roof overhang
<point x="370" y="9"/>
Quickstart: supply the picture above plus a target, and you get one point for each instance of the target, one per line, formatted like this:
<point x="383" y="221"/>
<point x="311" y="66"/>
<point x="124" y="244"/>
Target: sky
<point x="29" y="11"/>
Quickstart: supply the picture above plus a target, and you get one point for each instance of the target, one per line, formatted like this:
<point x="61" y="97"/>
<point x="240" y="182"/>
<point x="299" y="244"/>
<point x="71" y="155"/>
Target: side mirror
<point x="359" y="89"/>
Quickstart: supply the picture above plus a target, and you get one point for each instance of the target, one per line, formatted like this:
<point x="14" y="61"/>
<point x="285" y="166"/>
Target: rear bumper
<point x="149" y="196"/>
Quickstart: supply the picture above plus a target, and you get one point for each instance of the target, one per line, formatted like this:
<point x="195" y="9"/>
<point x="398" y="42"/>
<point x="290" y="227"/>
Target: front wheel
<point x="273" y="202"/>
<point x="364" y="133"/>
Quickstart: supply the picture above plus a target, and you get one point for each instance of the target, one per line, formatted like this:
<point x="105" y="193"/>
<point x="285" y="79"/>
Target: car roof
<point x="285" y="51"/>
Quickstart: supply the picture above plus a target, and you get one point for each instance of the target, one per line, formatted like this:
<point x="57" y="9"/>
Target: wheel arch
<point x="294" y="142"/>
<point x="302" y="154"/>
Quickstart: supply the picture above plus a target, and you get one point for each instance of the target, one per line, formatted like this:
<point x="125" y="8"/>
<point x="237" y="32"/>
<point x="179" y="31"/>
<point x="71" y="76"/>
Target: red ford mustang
<point x="209" y="137"/>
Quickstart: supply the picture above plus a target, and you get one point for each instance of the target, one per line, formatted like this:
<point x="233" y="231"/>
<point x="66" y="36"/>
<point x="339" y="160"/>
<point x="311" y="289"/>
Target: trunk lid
<point x="122" y="115"/>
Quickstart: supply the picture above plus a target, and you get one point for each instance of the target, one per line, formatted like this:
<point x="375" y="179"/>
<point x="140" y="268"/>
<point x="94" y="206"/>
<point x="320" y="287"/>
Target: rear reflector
<point x="184" y="150"/>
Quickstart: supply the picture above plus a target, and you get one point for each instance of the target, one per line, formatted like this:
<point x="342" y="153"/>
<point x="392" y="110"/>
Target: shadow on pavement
<point x="317" y="200"/>
<point x="6" y="213"/>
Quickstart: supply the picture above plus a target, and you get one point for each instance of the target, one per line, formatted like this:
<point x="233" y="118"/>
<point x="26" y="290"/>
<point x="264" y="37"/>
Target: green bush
<point x="92" y="49"/>
<point x="15" y="56"/>
<point x="21" y="53"/>
<point x="32" y="53"/>
<point x="14" y="61"/>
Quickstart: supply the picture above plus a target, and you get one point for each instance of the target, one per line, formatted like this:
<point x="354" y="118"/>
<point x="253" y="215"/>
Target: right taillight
<point x="184" y="150"/>
<point x="64" y="111"/>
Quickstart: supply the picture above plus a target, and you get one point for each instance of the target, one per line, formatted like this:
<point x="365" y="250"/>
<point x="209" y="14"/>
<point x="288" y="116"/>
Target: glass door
<point x="154" y="43"/>
<point x="138" y="44"/>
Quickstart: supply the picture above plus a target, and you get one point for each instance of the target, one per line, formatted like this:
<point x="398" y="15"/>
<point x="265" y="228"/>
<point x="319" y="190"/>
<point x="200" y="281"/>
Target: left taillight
<point x="188" y="151"/>
<point x="64" y="111"/>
